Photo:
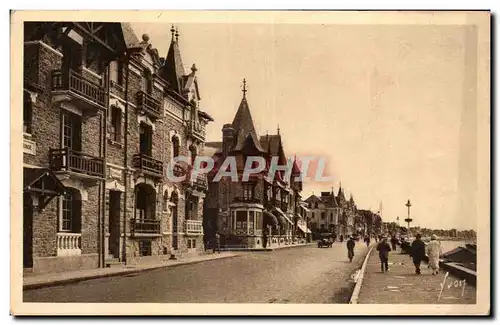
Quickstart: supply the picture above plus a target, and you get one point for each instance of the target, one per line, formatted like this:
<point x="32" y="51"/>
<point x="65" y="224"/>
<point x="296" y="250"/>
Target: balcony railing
<point x="193" y="227"/>
<point x="145" y="226"/>
<point x="148" y="165"/>
<point x="196" y="180"/>
<point x="70" y="160"/>
<point x="77" y="84"/>
<point x="68" y="244"/>
<point x="149" y="105"/>
<point x="246" y="200"/>
<point x="196" y="130"/>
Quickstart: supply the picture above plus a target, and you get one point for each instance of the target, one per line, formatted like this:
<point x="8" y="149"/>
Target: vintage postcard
<point x="250" y="163"/>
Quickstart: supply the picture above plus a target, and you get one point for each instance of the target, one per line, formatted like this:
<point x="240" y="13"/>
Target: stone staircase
<point x="113" y="262"/>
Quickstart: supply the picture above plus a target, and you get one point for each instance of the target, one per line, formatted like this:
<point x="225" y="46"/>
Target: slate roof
<point x="244" y="128"/>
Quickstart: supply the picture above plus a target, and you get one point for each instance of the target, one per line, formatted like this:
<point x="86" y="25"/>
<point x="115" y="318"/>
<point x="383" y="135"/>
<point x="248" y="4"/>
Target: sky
<point x="384" y="105"/>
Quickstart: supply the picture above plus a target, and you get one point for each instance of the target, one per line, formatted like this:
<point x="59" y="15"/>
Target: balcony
<point x="81" y="164"/>
<point x="193" y="227"/>
<point x="148" y="165"/>
<point x="196" y="130"/>
<point x="246" y="200"/>
<point x="148" y="105"/>
<point x="71" y="86"/>
<point x="197" y="182"/>
<point x="145" y="227"/>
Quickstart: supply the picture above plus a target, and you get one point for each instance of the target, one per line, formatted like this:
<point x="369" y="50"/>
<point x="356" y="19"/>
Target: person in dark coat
<point x="394" y="241"/>
<point x="417" y="252"/>
<point x="367" y="240"/>
<point x="341" y="238"/>
<point x="383" y="249"/>
<point x="350" y="248"/>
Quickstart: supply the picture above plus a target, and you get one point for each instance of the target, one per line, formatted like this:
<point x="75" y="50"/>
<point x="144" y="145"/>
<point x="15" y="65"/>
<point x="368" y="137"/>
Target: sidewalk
<point x="401" y="286"/>
<point x="273" y="247"/>
<point x="52" y="279"/>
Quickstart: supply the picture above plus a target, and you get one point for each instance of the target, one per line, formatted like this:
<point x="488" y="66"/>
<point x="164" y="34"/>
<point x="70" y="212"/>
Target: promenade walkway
<point x="401" y="286"/>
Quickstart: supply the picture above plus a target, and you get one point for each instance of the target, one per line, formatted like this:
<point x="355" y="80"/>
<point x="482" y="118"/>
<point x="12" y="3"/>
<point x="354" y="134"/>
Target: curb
<point x="359" y="282"/>
<point x="118" y="273"/>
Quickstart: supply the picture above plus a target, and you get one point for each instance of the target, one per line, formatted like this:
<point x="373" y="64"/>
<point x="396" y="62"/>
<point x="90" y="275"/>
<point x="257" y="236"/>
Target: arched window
<point x="193" y="152"/>
<point x="70" y="219"/>
<point x="175" y="146"/>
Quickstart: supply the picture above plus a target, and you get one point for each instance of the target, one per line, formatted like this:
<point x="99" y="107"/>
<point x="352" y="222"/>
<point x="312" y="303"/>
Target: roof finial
<point x="194" y="68"/>
<point x="244" y="87"/>
<point x="278" y="129"/>
<point x="172" y="30"/>
<point x="176" y="34"/>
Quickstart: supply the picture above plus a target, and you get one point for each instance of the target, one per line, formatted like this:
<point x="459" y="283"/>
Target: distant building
<point x="256" y="213"/>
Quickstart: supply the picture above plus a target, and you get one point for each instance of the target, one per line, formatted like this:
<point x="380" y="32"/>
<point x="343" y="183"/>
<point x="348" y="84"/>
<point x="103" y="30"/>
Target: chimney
<point x="227" y="138"/>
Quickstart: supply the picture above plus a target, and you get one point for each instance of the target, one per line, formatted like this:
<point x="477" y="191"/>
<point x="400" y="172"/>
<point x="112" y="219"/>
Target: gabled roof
<point x="131" y="39"/>
<point x="244" y="128"/>
<point x="313" y="198"/>
<point x="271" y="143"/>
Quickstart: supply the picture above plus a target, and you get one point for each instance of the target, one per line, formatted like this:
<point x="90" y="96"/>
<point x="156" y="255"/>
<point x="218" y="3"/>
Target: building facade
<point x="104" y="115"/>
<point x="330" y="213"/>
<point x="256" y="213"/>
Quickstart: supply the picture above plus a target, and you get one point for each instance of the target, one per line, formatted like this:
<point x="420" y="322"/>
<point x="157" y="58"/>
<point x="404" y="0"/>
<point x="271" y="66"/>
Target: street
<point x="297" y="275"/>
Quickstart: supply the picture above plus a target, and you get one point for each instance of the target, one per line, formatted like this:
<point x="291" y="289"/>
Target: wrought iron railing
<point x="193" y="227"/>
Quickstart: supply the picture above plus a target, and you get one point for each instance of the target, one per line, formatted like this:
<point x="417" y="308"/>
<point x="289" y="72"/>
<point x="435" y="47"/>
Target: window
<point x="278" y="196"/>
<point x="241" y="220"/>
<point x="148" y="82"/>
<point x="322" y="215"/>
<point x="191" y="243"/>
<point x="145" y="248"/>
<point x="251" y="219"/>
<point x="193" y="152"/>
<point x="116" y="72"/>
<point x="70" y="212"/>
<point x="27" y="113"/>
<point x="248" y="191"/>
<point x="72" y="131"/>
<point x="145" y="139"/>
<point x="175" y="146"/>
<point x="165" y="201"/>
<point x="116" y="124"/>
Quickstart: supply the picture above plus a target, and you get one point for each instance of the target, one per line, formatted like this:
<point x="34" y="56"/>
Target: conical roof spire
<point x="173" y="69"/>
<point x="244" y="126"/>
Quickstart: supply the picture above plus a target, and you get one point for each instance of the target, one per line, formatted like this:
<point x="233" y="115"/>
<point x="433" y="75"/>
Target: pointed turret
<point x="243" y="125"/>
<point x="173" y="69"/>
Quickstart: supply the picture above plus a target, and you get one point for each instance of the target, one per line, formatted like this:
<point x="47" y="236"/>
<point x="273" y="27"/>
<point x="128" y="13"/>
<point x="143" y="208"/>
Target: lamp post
<point x="408" y="219"/>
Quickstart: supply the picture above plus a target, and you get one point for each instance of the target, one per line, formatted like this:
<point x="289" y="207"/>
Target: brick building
<point x="257" y="213"/>
<point x="104" y="115"/>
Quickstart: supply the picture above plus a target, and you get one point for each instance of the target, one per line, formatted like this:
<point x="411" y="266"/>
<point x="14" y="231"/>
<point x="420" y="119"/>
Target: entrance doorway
<point x="27" y="231"/>
<point x="114" y="224"/>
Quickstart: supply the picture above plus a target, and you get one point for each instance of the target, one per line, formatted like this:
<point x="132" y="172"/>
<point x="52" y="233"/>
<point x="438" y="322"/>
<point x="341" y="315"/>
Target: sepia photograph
<point x="250" y="163"/>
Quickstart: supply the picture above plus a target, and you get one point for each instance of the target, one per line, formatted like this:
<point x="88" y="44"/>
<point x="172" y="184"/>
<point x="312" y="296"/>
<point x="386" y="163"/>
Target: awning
<point x="42" y="181"/>
<point x="304" y="229"/>
<point x="270" y="218"/>
<point x="289" y="217"/>
<point x="282" y="216"/>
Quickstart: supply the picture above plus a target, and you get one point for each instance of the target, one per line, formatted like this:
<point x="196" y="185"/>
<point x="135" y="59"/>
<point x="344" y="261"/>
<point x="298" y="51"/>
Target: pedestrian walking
<point x="417" y="252"/>
<point x="394" y="241"/>
<point x="434" y="250"/>
<point x="341" y="238"/>
<point x="350" y="248"/>
<point x="367" y="241"/>
<point x="383" y="249"/>
<point x="217" y="242"/>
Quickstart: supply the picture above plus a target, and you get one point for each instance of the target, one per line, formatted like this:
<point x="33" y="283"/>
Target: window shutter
<point x="76" y="217"/>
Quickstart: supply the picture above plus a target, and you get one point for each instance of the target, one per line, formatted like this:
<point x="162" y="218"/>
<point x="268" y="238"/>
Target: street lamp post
<point x="408" y="219"/>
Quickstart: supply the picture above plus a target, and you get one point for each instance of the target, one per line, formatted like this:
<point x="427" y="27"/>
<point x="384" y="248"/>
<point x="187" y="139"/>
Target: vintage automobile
<point x="325" y="240"/>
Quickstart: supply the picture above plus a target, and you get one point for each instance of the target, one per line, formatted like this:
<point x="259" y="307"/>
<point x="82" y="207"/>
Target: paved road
<point x="297" y="275"/>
